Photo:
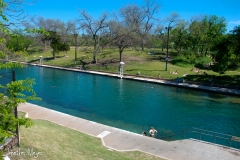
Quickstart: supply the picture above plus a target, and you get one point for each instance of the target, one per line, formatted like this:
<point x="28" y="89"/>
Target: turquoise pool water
<point x="132" y="105"/>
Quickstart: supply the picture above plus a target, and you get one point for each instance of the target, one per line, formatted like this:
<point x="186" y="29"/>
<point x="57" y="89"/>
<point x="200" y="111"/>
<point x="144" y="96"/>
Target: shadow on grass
<point x="34" y="61"/>
<point x="34" y="50"/>
<point x="231" y="81"/>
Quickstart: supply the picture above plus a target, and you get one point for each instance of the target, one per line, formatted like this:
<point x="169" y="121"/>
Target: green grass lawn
<point x="149" y="65"/>
<point x="50" y="141"/>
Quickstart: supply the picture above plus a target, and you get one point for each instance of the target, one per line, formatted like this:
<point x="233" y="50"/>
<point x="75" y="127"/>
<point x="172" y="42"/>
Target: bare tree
<point x="173" y="18"/>
<point x="95" y="28"/>
<point x="120" y="36"/>
<point x="69" y="30"/>
<point x="13" y="11"/>
<point x="159" y="34"/>
<point x="141" y="19"/>
<point x="12" y="15"/>
<point x="171" y="21"/>
<point x="54" y="25"/>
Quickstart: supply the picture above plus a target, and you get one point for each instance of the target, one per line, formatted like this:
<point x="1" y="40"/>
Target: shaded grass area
<point x="46" y="140"/>
<point x="148" y="64"/>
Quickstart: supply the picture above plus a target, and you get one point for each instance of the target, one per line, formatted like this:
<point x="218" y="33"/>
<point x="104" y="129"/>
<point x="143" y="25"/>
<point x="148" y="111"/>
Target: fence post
<point x="16" y="112"/>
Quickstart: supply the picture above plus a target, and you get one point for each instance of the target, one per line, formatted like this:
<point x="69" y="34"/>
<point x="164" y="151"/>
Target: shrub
<point x="181" y="61"/>
<point x="200" y="62"/>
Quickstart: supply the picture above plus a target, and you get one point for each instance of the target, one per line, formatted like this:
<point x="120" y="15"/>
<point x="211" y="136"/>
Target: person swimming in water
<point x="152" y="132"/>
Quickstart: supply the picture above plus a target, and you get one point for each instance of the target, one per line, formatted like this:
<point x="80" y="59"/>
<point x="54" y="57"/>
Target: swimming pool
<point x="132" y="105"/>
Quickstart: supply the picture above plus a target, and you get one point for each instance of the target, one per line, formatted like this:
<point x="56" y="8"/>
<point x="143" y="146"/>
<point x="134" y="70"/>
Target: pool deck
<point x="121" y="140"/>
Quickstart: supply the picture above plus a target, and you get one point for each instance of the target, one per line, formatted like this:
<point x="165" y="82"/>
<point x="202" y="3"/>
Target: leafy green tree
<point x="56" y="43"/>
<point x="15" y="90"/>
<point x="195" y="35"/>
<point x="214" y="28"/>
<point x="19" y="43"/>
<point x="3" y="19"/>
<point x="65" y="47"/>
<point x="120" y="36"/>
<point x="179" y="36"/>
<point x="204" y="32"/>
<point x="221" y="55"/>
<point x="235" y="44"/>
<point x="9" y="101"/>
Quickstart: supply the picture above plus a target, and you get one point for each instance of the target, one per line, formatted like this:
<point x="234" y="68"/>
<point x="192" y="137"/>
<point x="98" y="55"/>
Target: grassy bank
<point x="148" y="65"/>
<point x="46" y="140"/>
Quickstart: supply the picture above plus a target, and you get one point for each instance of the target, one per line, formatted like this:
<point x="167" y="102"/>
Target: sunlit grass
<point x="149" y="65"/>
<point x="52" y="141"/>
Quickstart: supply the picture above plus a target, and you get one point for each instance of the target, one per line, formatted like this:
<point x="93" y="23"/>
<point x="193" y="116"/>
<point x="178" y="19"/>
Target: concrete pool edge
<point x="121" y="140"/>
<point x="235" y="92"/>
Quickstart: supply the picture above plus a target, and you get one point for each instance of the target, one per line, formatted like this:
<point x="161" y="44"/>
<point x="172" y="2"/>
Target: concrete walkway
<point x="121" y="140"/>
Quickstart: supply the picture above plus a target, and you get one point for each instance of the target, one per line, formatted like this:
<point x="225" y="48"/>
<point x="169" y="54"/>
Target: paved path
<point x="121" y="140"/>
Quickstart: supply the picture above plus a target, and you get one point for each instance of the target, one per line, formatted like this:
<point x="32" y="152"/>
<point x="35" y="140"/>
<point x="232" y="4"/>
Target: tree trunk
<point x="95" y="55"/>
<point x="120" y="52"/>
<point x="95" y="59"/>
<point x="54" y="54"/>
<point x="178" y="51"/>
<point x="45" y="45"/>
<point x="142" y="46"/>
<point x="201" y="50"/>
<point x="206" y="52"/>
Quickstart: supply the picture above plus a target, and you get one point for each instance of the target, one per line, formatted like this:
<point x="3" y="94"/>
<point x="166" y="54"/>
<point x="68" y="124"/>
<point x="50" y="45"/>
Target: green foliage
<point x="203" y="33"/>
<point x="14" y="96"/>
<point x="65" y="47"/>
<point x="200" y="62"/>
<point x="179" y="37"/>
<point x="155" y="42"/>
<point x="39" y="31"/>
<point x="56" y="43"/>
<point x="20" y="43"/>
<point x="16" y="89"/>
<point x="182" y="61"/>
<point x="235" y="43"/>
<point x="17" y="44"/>
<point x="3" y="19"/>
<point x="10" y="65"/>
<point x="220" y="56"/>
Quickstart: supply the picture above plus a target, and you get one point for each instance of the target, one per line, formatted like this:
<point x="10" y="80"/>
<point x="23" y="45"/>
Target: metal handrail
<point x="228" y="139"/>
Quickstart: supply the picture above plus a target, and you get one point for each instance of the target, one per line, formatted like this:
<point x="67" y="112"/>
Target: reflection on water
<point x="133" y="105"/>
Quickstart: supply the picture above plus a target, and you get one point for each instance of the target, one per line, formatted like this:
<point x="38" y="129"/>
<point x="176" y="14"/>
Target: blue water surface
<point x="132" y="105"/>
